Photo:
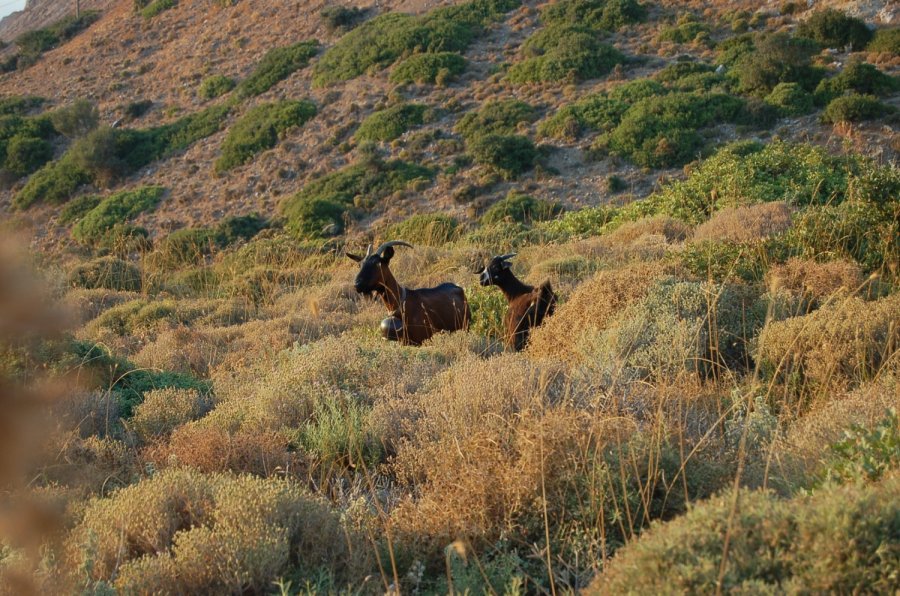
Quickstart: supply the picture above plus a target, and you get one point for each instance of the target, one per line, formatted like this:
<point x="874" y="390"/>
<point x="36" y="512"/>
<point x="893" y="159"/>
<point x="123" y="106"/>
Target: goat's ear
<point x="387" y="254"/>
<point x="354" y="257"/>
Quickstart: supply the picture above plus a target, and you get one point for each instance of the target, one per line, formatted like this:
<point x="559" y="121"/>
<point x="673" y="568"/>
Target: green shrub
<point x="25" y="155"/>
<point x="435" y="229"/>
<point x="54" y="183"/>
<point x="78" y="208"/>
<point x="275" y="66"/>
<point x="596" y="14"/>
<point x="240" y="227"/>
<point x="156" y="7"/>
<point x="724" y="260"/>
<point x="661" y="131"/>
<point x="886" y="40"/>
<point x="859" y="77"/>
<point x="321" y="206"/>
<point x="33" y="44"/>
<point x="634" y="91"/>
<point x="520" y="208"/>
<point x="594" y="113"/>
<point x="163" y="410"/>
<point x="437" y="67"/>
<point x="501" y="117"/>
<point x="790" y="99"/>
<point x="136" y="109"/>
<point x="338" y="433"/>
<point x="116" y="209"/>
<point x="855" y="108"/>
<point x="383" y="40"/>
<point x="106" y="272"/>
<point x="564" y="53"/>
<point x="830" y="542"/>
<point x="685" y="30"/>
<point x="215" y="86"/>
<point x="76" y="120"/>
<point x="188" y="246"/>
<point x="22" y="128"/>
<point x="488" y="306"/>
<point x="865" y="454"/>
<point x="390" y="123"/>
<point x="675" y="71"/>
<point x="775" y="58"/>
<point x="19" y="105"/>
<point x="509" y="155"/>
<point x="834" y="29"/>
<point x="342" y="18"/>
<point x="259" y="129"/>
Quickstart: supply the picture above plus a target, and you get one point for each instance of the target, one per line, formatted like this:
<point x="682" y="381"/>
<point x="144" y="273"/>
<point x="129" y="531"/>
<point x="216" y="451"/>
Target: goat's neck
<point x="391" y="292"/>
<point x="510" y="285"/>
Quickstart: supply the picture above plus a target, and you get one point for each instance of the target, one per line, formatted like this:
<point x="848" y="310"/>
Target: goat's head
<point x="373" y="265"/>
<point x="495" y="269"/>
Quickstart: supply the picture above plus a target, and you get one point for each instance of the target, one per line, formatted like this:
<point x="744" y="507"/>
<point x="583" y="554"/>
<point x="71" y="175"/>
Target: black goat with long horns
<point x="528" y="306"/>
<point x="416" y="315"/>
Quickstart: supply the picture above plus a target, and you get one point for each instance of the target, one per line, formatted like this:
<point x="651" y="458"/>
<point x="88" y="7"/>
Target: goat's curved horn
<point x="369" y="251"/>
<point x="392" y="243"/>
<point x="506" y="257"/>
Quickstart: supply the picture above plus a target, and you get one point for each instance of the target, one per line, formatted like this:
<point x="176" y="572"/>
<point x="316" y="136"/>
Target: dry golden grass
<point x="591" y="308"/>
<point x="746" y="224"/>
<point x="815" y="281"/>
<point x="163" y="410"/>
<point x="669" y="228"/>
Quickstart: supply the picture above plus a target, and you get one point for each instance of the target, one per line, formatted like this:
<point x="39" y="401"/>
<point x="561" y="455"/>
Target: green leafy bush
<point x="54" y="183"/>
<point x="381" y="41"/>
<point x="259" y="129"/>
<point x="78" y="208"/>
<point x="436" y="67"/>
<point x="634" y="91"/>
<point x="594" y="113"/>
<point x="774" y="58"/>
<point x="215" y="86"/>
<point x="342" y="18"/>
<point x="509" y="155"/>
<point x="791" y="99"/>
<point x="686" y="30"/>
<point x="834" y="29"/>
<point x="830" y="542"/>
<point x="488" y="306"/>
<point x="858" y="77"/>
<point x="865" y="454"/>
<point x="275" y="66"/>
<point x="558" y="53"/>
<point x="22" y="128"/>
<point x="501" y="117"/>
<point x="661" y="131"/>
<point x="429" y="229"/>
<point x="520" y="208"/>
<point x="33" y="44"/>
<point x="106" y="272"/>
<point x="188" y="245"/>
<point x="136" y="109"/>
<point x="163" y="410"/>
<point x="388" y="124"/>
<point x="886" y="40"/>
<point x="114" y="210"/>
<point x="24" y="155"/>
<point x="19" y="105"/>
<point x="321" y="207"/>
<point x="77" y="119"/>
<point x="240" y="227"/>
<point x="596" y="14"/>
<point x="855" y="108"/>
<point x="157" y="7"/>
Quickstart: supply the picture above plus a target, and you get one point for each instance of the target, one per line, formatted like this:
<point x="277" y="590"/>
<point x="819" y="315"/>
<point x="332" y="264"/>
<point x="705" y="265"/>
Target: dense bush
<point x="831" y="541"/>
<point x="791" y="99"/>
<point x="240" y="227"/>
<point x="106" y="272"/>
<point x="436" y="67"/>
<point x="157" y="7"/>
<point x="388" y="124"/>
<point x="834" y="29"/>
<point x="760" y="64"/>
<point x="76" y="120"/>
<point x="661" y="131"/>
<point x="34" y="43"/>
<point x="163" y="410"/>
<point x="215" y="85"/>
<point x="342" y="18"/>
<point x="859" y="77"/>
<point x="687" y="29"/>
<point x="865" y="454"/>
<point x="855" y="108"/>
<point x="596" y="14"/>
<point x="276" y="65"/>
<point x="501" y="117"/>
<point x="380" y="42"/>
<point x="594" y="113"/>
<point x="19" y="105"/>
<point x="509" y="155"/>
<point x="259" y="129"/>
<point x="78" y="208"/>
<point x="24" y="155"/>
<point x="136" y="109"/>
<point x="886" y="40"/>
<point x="188" y="245"/>
<point x="114" y="210"/>
<point x="321" y="207"/>
<point x="427" y="229"/>
<point x="520" y="208"/>
<point x="54" y="183"/>
<point x="558" y="53"/>
<point x="636" y="90"/>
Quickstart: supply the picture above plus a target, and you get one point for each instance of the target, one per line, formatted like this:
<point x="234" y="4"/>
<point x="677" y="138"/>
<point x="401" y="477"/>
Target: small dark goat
<point x="416" y="315"/>
<point x="528" y="306"/>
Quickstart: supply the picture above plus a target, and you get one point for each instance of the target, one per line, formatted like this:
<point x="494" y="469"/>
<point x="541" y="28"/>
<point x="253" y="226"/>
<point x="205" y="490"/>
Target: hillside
<point x="711" y="189"/>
